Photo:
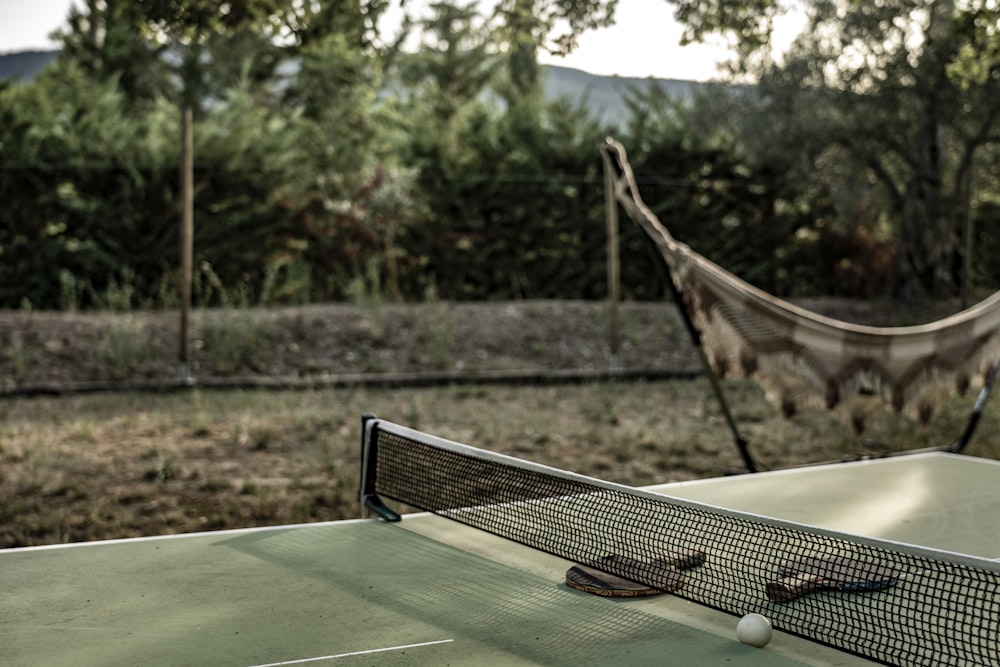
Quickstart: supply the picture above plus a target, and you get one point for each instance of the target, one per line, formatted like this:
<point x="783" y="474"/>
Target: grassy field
<point x="109" y="465"/>
<point x="84" y="466"/>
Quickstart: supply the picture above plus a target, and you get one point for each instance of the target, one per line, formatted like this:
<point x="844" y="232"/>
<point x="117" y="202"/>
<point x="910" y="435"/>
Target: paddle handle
<point x="683" y="560"/>
<point x="791" y="588"/>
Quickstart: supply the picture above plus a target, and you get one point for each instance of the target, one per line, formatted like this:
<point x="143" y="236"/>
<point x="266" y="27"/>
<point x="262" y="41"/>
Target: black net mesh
<point x="914" y="606"/>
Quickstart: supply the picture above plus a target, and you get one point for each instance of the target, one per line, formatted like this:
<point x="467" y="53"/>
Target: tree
<point x="519" y="29"/>
<point x="103" y="40"/>
<point x="878" y="82"/>
<point x="528" y="26"/>
<point x="192" y="51"/>
<point x="869" y="89"/>
<point x="354" y="196"/>
<point x="978" y="59"/>
<point x="87" y="188"/>
<point x="747" y="25"/>
<point x="454" y="64"/>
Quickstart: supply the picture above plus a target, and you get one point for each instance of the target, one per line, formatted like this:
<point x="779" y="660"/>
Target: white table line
<point x="347" y="655"/>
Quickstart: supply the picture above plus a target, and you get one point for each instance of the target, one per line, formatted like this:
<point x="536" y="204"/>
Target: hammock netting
<point x="804" y="360"/>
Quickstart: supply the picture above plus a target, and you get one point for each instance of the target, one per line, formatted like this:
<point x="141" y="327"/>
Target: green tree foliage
<point x="85" y="189"/>
<point x="510" y="205"/>
<point x="511" y="212"/>
<point x="898" y="92"/>
<point x="747" y="25"/>
<point x="351" y="190"/>
<point x="744" y="210"/>
<point x="868" y="85"/>
<point x="296" y="190"/>
<point x="327" y="165"/>
<point x="455" y="63"/>
<point x="978" y="58"/>
<point x="194" y="51"/>
<point x="526" y="27"/>
<point x="103" y="40"/>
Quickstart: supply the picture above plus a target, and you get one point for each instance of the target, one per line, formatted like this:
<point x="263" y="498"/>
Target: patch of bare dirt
<point x="317" y="343"/>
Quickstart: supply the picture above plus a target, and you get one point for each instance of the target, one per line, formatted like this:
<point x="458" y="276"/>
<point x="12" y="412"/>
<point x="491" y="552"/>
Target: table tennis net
<point x="929" y="607"/>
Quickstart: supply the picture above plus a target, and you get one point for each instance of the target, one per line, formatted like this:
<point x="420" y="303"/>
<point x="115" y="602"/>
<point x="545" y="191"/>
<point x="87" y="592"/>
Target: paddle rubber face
<point x="809" y="575"/>
<point x="608" y="576"/>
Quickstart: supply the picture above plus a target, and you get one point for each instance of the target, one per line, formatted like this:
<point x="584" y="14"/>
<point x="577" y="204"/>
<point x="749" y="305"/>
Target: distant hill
<point x="602" y="94"/>
<point x="25" y="65"/>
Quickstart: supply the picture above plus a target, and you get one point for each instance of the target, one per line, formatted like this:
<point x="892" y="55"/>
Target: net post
<point x="367" y="493"/>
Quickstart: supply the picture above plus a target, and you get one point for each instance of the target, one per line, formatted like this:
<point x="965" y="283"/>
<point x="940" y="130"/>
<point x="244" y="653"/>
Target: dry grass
<point x="95" y="466"/>
<point x="114" y="465"/>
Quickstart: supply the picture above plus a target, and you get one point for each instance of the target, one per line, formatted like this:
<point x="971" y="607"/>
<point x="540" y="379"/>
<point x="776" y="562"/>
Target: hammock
<point x="804" y="360"/>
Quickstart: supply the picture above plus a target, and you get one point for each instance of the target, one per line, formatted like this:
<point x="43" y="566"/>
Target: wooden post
<point x="967" y="256"/>
<point x="614" y="272"/>
<point x="187" y="244"/>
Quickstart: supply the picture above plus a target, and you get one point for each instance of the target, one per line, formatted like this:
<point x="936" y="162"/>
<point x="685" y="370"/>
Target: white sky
<point x="25" y="24"/>
<point x="642" y="43"/>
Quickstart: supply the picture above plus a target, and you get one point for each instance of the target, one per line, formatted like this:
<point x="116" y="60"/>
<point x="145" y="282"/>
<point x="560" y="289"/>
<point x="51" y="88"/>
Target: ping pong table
<point x="429" y="591"/>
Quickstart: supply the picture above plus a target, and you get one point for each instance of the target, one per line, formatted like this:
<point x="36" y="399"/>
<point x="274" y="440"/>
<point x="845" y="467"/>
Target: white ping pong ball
<point x="754" y="630"/>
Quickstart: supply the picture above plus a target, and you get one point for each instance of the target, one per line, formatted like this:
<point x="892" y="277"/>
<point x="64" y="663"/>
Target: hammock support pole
<point x="741" y="443"/>
<point x="977" y="410"/>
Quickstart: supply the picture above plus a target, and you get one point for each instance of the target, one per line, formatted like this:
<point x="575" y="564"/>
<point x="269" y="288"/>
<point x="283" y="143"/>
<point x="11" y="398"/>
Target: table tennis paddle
<point x="847" y="575"/>
<point x="662" y="575"/>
